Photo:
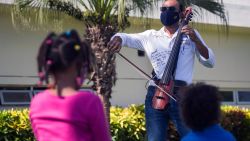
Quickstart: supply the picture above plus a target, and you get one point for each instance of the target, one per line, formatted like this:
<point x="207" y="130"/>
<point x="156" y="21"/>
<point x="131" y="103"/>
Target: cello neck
<point x="169" y="71"/>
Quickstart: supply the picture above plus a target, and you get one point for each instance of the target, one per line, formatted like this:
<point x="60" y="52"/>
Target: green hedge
<point x="127" y="124"/>
<point x="15" y="125"/>
<point x="237" y="121"/>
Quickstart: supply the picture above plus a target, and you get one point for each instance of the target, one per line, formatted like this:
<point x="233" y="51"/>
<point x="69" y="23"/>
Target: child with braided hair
<point x="62" y="112"/>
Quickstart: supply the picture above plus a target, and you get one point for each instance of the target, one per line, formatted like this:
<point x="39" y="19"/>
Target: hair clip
<point x="77" y="47"/>
<point x="79" y="81"/>
<point x="41" y="74"/>
<point x="39" y="83"/>
<point x="49" y="42"/>
<point x="68" y="33"/>
<point x="51" y="86"/>
<point x="49" y="62"/>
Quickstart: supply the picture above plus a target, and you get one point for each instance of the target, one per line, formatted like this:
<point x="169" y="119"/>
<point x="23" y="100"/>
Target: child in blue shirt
<point x="200" y="109"/>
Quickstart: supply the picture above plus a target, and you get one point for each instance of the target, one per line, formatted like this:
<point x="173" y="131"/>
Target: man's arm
<point x="196" y="39"/>
<point x="204" y="54"/>
<point x="201" y="48"/>
<point x="129" y="40"/>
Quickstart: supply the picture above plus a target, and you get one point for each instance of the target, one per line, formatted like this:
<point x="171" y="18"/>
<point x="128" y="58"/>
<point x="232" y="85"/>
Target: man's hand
<point x="199" y="45"/>
<point x="190" y="32"/>
<point x="115" y="44"/>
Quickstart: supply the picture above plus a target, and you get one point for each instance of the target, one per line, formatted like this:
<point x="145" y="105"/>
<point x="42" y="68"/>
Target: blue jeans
<point x="157" y="120"/>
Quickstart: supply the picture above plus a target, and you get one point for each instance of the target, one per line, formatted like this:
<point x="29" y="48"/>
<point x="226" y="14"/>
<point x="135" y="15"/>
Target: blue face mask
<point x="169" y="18"/>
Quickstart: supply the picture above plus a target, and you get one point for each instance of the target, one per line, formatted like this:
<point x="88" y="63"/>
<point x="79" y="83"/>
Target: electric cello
<point x="166" y="85"/>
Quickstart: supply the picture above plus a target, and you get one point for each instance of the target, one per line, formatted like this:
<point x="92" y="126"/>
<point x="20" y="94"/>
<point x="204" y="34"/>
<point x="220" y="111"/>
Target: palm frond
<point x="121" y="11"/>
<point x="215" y="7"/>
<point x="102" y="11"/>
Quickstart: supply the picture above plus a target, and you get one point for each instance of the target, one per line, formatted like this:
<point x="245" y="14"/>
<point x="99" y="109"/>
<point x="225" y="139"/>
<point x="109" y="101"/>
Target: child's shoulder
<point x="89" y="97"/>
<point x="41" y="94"/>
<point x="88" y="94"/>
<point x="39" y="97"/>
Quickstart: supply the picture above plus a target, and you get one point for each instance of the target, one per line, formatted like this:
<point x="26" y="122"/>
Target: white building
<point x="18" y="50"/>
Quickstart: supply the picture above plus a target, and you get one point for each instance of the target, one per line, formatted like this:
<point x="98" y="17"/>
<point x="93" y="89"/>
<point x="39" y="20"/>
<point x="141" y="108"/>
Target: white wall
<point x="130" y="86"/>
<point x="18" y="48"/>
<point x="7" y="1"/>
<point x="232" y="59"/>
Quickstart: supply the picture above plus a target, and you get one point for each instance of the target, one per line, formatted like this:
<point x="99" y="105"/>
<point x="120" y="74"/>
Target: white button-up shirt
<point x="158" y="46"/>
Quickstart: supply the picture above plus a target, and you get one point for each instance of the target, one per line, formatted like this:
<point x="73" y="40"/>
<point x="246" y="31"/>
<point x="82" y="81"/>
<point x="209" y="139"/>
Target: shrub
<point x="237" y="121"/>
<point x="15" y="125"/>
<point x="127" y="124"/>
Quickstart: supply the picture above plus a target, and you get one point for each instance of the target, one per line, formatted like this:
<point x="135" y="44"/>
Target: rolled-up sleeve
<point x="210" y="62"/>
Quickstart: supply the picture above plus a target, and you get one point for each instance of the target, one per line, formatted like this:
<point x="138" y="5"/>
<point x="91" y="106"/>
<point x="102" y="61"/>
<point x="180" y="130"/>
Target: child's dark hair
<point x="200" y="106"/>
<point x="58" y="52"/>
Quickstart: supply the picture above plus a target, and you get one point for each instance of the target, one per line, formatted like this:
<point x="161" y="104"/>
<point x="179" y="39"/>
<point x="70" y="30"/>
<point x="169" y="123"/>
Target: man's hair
<point x="181" y="6"/>
<point x="200" y="106"/>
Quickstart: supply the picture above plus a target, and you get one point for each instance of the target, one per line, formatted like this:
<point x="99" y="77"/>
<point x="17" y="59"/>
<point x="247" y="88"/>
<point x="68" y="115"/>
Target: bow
<point x="145" y="75"/>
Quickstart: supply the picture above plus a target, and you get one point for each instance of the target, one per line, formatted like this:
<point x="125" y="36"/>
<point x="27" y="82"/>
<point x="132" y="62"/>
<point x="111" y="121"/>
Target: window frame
<point x="234" y="97"/>
<point x="237" y="98"/>
<point x="15" y="91"/>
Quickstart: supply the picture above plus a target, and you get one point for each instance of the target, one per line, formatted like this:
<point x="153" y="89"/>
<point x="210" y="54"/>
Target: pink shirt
<point x="79" y="117"/>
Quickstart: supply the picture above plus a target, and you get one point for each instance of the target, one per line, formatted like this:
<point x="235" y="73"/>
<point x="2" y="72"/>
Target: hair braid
<point x="57" y="53"/>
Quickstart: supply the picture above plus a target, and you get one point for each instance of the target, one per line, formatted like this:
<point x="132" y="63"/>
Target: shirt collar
<point x="165" y="34"/>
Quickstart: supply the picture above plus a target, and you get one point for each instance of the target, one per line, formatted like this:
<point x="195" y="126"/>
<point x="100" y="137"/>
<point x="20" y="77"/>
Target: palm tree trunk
<point x="104" y="75"/>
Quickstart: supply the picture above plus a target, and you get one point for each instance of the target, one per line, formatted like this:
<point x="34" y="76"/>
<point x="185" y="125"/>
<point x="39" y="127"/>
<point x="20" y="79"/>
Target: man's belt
<point x="177" y="84"/>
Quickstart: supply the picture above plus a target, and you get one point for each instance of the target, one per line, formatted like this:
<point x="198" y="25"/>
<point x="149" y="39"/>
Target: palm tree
<point x="103" y="18"/>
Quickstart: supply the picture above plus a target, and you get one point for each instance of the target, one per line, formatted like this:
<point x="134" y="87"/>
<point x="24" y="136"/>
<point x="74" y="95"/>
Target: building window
<point x="15" y="97"/>
<point x="244" y="97"/>
<point x="235" y="97"/>
<point x="227" y="96"/>
<point x="19" y="96"/>
<point x="37" y="90"/>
